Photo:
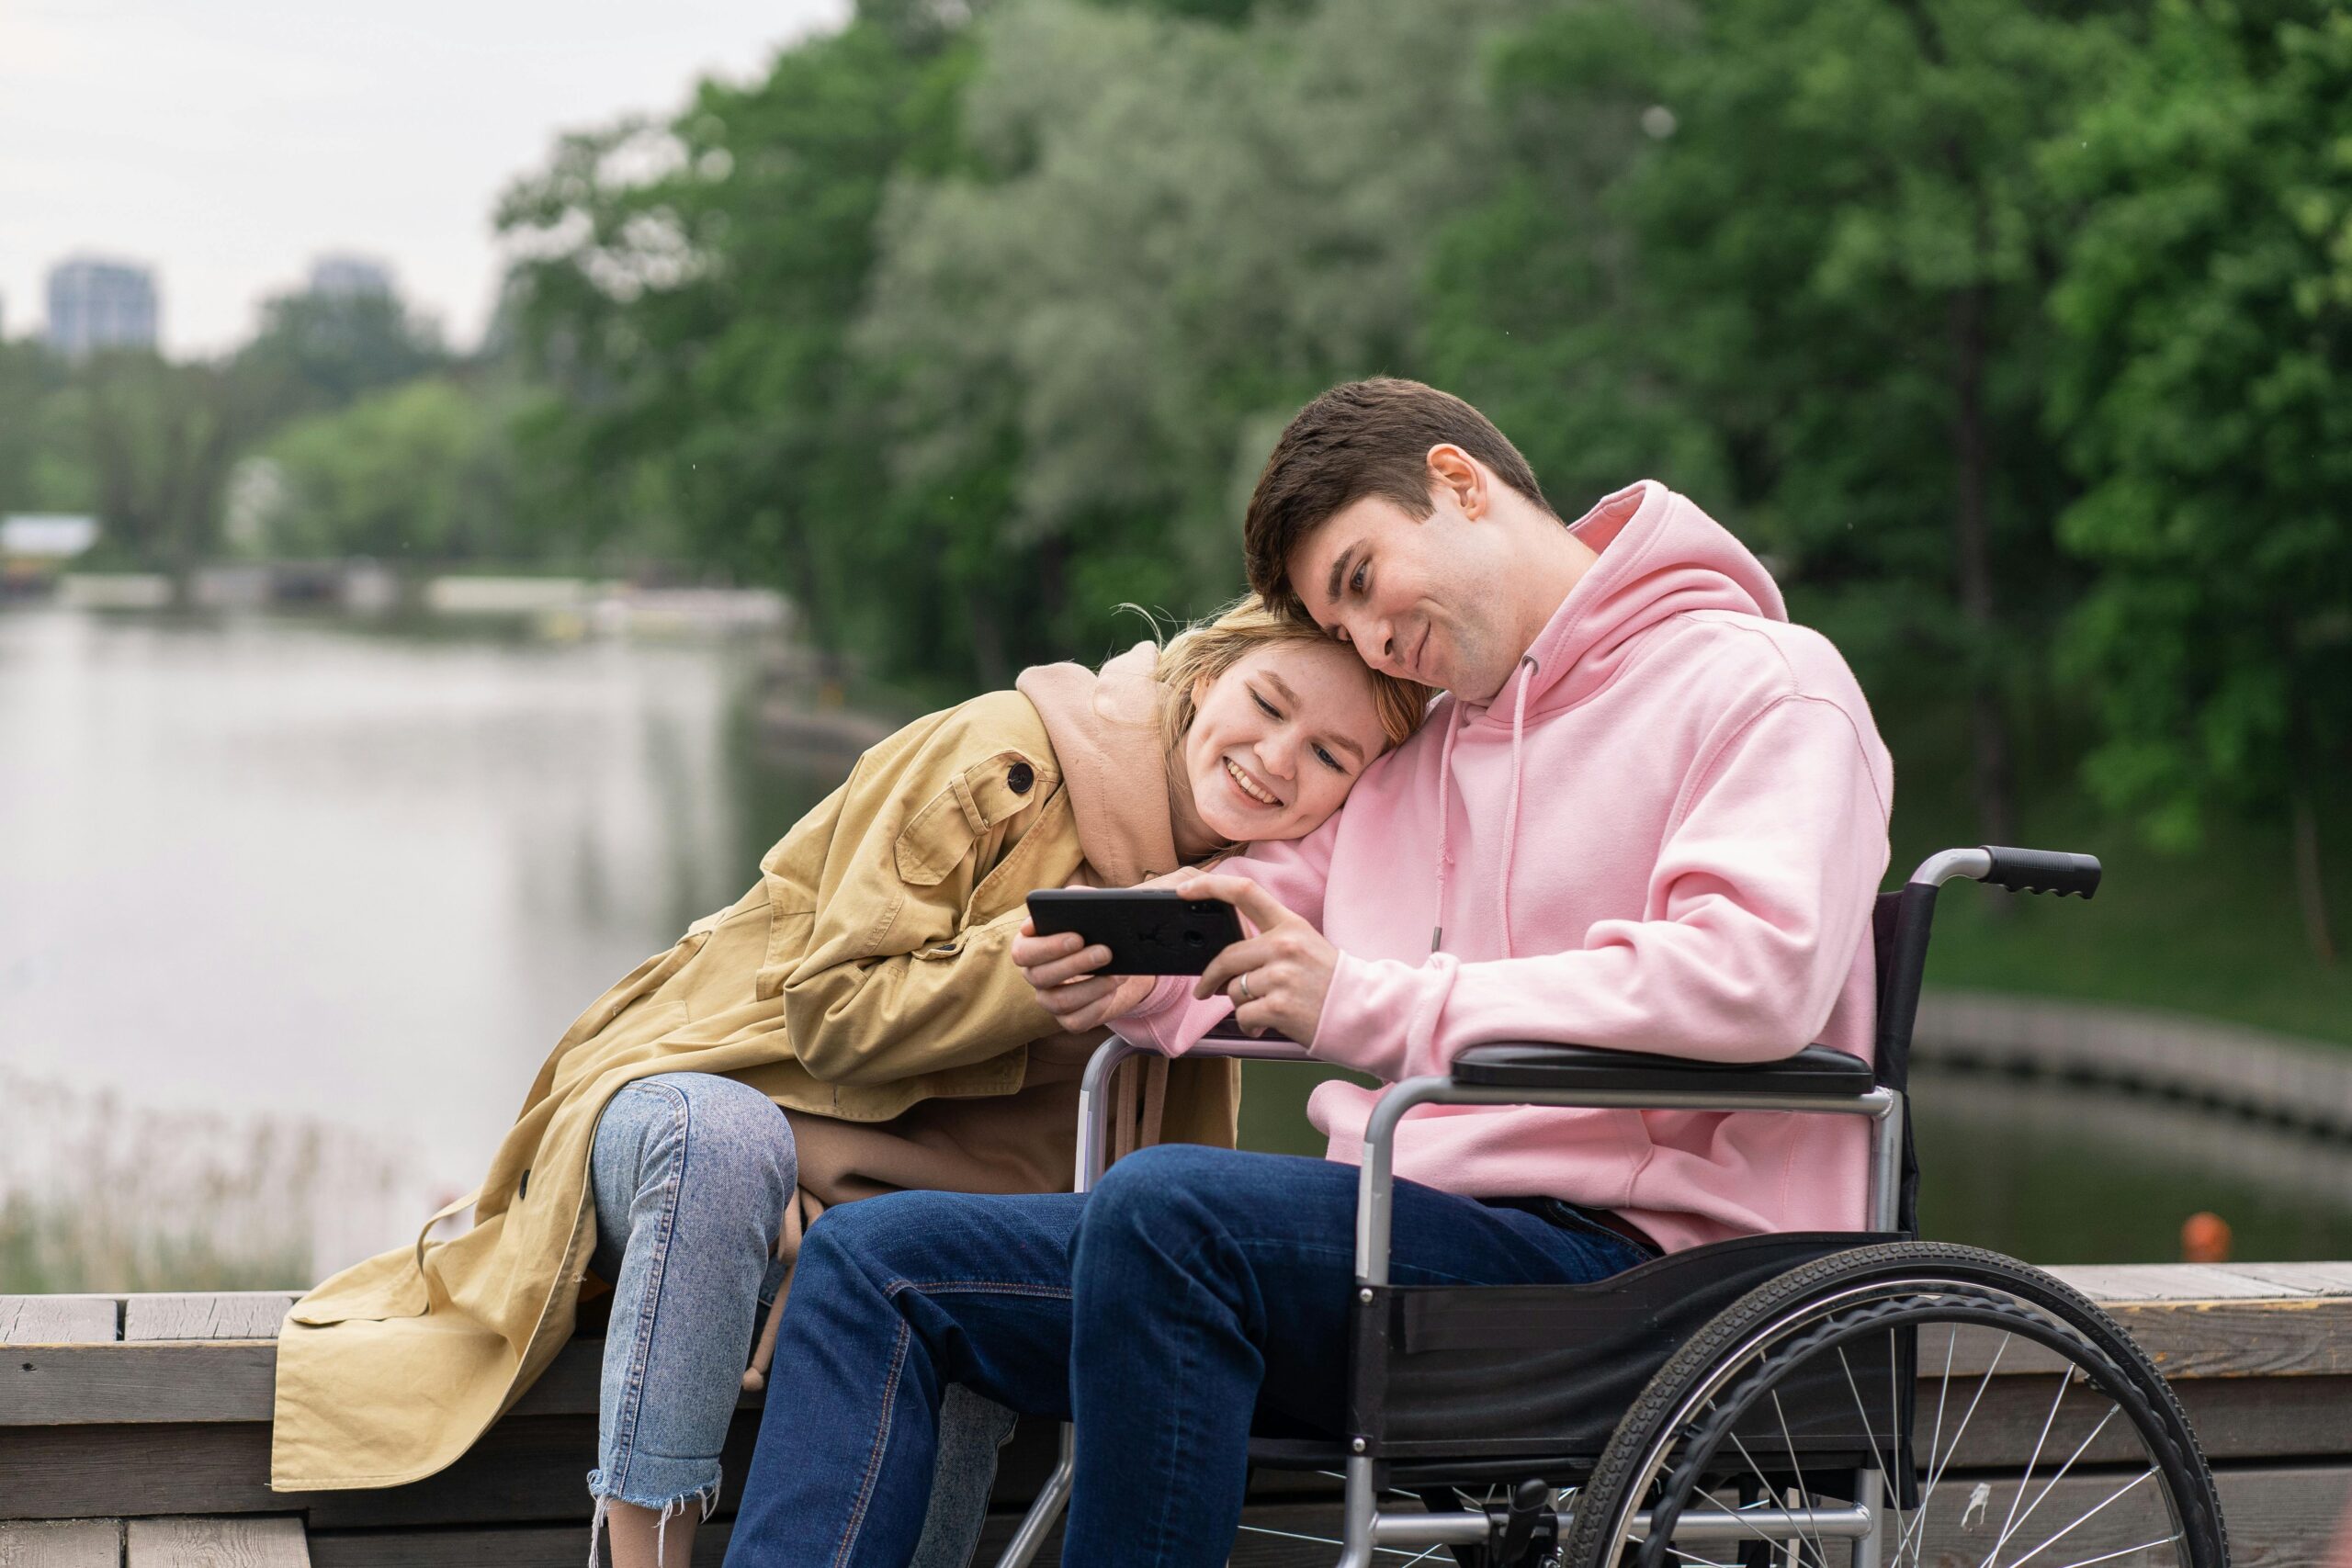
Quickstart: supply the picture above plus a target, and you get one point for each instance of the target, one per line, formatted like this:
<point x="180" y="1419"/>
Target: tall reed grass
<point x="99" y="1195"/>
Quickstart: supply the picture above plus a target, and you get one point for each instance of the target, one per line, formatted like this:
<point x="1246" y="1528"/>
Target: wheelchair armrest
<point x="1815" y="1070"/>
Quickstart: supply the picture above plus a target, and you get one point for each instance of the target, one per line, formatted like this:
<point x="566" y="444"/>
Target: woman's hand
<point x="1062" y="967"/>
<point x="1277" y="978"/>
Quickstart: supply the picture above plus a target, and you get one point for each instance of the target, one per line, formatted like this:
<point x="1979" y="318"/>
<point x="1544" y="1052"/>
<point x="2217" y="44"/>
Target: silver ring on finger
<point x="1243" y="981"/>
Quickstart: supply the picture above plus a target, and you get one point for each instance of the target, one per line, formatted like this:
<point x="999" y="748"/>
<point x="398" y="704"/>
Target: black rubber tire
<point x="1627" y="1454"/>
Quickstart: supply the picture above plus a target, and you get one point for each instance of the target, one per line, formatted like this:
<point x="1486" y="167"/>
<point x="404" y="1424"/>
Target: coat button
<point x="1021" y="778"/>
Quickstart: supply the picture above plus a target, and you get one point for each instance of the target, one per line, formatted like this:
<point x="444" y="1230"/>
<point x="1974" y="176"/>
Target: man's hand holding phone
<point x="1278" y="977"/>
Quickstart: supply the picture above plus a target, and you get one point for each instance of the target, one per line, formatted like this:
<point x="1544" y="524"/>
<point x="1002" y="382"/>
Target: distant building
<point x="95" y="303"/>
<point x="36" y="546"/>
<point x="46" y="536"/>
<point x="348" y="276"/>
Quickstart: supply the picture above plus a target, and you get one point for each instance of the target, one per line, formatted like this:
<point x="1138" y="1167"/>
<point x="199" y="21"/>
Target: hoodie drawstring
<point x="1444" y="817"/>
<point x="1510" y="814"/>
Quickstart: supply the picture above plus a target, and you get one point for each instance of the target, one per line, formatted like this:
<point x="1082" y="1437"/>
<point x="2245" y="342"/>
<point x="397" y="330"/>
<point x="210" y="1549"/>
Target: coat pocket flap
<point x="937" y="838"/>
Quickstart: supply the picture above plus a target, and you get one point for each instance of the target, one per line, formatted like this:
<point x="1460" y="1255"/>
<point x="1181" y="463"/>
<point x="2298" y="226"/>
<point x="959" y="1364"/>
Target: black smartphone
<point x="1149" y="930"/>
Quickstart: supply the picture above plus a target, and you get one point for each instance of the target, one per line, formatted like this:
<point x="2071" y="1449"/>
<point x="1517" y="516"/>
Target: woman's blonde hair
<point x="1208" y="648"/>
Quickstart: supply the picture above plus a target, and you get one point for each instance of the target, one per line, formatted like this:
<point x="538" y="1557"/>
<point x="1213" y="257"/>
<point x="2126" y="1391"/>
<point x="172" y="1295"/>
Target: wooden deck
<point x="135" y="1430"/>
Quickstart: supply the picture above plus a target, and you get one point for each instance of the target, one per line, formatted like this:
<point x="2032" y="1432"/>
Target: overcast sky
<point x="226" y="142"/>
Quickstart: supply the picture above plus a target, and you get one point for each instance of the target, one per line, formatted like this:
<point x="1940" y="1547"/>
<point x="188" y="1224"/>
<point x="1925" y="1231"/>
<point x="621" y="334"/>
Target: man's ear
<point x="1455" y="476"/>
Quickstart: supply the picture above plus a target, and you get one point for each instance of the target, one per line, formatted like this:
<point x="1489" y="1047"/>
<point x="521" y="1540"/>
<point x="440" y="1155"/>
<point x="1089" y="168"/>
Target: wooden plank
<point x="270" y="1542"/>
<point x="2250" y="1420"/>
<point x="2286" y="1337"/>
<point x="221" y="1315"/>
<point x="564" y="1546"/>
<point x="128" y="1384"/>
<point x="520" y="1546"/>
<point x="2169" y="1281"/>
<point x="73" y="1543"/>
<point x="2302" y="1337"/>
<point x="217" y="1381"/>
<point x="2304" y="1278"/>
<point x="571" y="1385"/>
<point x="2277" y="1518"/>
<point x="58" y="1319"/>
<point x="526" y="1469"/>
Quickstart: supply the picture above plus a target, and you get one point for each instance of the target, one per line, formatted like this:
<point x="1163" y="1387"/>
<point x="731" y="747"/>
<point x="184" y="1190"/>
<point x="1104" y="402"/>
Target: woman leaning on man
<point x="852" y="1025"/>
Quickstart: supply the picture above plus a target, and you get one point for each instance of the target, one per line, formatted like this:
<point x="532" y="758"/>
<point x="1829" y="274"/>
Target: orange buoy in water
<point x="2204" y="1239"/>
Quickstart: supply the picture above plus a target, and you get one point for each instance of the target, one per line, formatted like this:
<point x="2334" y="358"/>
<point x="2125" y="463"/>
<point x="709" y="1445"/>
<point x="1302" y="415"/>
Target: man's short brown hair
<point x="1362" y="438"/>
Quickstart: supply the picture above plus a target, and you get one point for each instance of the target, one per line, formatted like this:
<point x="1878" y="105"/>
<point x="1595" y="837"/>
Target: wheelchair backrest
<point x="1900" y="924"/>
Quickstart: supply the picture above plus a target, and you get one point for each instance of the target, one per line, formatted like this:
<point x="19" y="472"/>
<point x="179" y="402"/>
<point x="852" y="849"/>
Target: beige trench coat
<point x="866" y="971"/>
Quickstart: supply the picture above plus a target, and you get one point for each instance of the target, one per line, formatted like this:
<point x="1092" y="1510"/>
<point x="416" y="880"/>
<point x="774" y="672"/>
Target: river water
<point x="299" y="904"/>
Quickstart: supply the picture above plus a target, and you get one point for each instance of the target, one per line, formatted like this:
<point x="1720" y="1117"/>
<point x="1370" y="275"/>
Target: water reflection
<point x="268" y="865"/>
<point x="2060" y="1173"/>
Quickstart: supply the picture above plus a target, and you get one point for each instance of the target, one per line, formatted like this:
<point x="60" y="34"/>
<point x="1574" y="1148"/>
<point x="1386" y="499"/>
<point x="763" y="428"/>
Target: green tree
<point x="1809" y="241"/>
<point x="422" y="471"/>
<point x="686" y="294"/>
<point x="160" y="439"/>
<point x="1171" y="233"/>
<point x="316" y="352"/>
<point x="2207" y="396"/>
<point x="44" y="462"/>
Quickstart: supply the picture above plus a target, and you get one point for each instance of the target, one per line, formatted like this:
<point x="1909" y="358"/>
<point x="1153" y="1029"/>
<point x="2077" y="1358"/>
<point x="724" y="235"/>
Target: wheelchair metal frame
<point x="1365" y="1527"/>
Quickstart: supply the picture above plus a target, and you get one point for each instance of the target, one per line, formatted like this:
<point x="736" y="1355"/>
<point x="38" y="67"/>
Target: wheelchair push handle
<point x="2042" y="871"/>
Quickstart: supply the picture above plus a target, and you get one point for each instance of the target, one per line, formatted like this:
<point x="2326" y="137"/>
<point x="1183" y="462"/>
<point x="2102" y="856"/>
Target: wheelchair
<point x="1778" y="1401"/>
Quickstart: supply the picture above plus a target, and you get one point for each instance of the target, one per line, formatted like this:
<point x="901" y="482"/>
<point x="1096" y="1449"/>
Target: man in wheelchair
<point x="1650" y="815"/>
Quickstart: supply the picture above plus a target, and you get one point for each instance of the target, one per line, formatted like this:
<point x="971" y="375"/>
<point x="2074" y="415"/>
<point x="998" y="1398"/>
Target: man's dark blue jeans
<point x="1195" y="1289"/>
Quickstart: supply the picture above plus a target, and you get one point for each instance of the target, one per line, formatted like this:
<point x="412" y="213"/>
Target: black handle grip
<point x="2042" y="871"/>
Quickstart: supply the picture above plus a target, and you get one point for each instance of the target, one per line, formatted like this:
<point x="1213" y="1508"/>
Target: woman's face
<point x="1279" y="738"/>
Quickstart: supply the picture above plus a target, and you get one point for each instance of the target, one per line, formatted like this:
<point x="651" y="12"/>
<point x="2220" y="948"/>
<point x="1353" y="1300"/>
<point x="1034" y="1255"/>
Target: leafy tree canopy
<point x="2207" y="407"/>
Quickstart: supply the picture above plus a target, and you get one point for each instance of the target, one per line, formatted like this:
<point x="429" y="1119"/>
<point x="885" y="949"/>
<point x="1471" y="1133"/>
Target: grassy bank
<point x="2215" y="932"/>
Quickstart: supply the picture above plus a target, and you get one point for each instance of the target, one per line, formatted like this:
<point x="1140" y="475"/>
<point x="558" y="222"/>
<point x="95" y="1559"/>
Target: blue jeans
<point x="1195" y="1289"/>
<point x="690" y="1174"/>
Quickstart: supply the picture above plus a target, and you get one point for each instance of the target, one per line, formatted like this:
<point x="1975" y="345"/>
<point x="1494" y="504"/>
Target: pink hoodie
<point x="1664" y="834"/>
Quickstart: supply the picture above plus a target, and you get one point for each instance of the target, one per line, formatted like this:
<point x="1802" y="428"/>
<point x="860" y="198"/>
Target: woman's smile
<point x="1250" y="786"/>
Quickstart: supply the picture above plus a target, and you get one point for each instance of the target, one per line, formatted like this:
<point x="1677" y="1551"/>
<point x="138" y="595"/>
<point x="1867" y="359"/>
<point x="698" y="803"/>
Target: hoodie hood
<point x="1660" y="557"/>
<point x="1105" y="729"/>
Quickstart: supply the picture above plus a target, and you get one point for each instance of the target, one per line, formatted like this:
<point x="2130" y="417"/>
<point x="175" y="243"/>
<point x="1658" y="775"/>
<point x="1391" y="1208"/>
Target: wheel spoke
<point x="1934" y="1446"/>
<point x="1798" y="1465"/>
<point x="1728" y="1508"/>
<point x="2052" y="1485"/>
<point x="1703" y="1561"/>
<point x="2126" y="1552"/>
<point x="2009" y="1524"/>
<point x="1335" y="1540"/>
<point x="2085" y="1518"/>
<point x="1936" y="1471"/>
<point x="1784" y="1505"/>
<point x="1886" y="1469"/>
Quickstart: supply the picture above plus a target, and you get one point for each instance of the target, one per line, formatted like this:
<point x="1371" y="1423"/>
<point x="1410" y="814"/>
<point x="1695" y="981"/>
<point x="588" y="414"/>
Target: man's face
<point x="1429" y="599"/>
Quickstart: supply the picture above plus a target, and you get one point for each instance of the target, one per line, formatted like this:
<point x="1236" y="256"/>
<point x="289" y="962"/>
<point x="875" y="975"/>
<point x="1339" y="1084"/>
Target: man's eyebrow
<point x="1338" y="570"/>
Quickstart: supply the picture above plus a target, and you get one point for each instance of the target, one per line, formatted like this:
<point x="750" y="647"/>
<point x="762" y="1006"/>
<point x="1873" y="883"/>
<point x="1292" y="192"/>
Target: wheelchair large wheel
<point x="1766" y="1438"/>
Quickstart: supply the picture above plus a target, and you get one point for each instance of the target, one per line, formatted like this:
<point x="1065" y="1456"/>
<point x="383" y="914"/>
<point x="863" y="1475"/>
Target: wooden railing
<point x="135" y="1430"/>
